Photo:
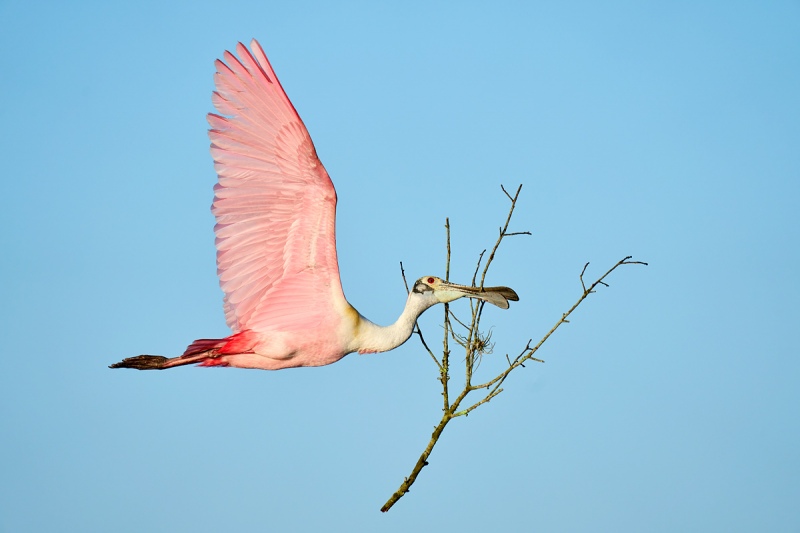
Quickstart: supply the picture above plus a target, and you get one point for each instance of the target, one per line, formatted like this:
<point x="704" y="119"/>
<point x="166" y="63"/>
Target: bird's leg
<point x="158" y="362"/>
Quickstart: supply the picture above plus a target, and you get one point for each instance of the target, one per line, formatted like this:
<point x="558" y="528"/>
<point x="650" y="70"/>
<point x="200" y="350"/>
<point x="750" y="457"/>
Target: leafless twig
<point x="476" y="344"/>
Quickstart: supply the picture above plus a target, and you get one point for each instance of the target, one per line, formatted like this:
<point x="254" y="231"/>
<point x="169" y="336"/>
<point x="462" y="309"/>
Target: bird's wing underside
<point x="275" y="204"/>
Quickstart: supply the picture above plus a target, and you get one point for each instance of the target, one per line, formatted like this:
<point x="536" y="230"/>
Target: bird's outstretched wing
<point x="275" y="204"/>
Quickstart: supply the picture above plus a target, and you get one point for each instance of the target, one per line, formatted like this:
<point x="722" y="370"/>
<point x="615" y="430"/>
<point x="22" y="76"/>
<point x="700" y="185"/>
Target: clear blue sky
<point x="667" y="131"/>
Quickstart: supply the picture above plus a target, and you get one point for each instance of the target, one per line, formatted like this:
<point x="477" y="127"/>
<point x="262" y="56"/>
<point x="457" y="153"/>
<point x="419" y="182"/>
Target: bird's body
<point x="275" y="207"/>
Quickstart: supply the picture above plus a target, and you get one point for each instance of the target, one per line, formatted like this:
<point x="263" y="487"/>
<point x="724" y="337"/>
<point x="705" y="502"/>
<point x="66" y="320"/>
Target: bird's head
<point x="436" y="290"/>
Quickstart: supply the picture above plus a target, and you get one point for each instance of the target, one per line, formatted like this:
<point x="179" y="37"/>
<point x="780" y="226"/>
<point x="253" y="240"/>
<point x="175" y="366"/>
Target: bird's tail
<point x="203" y="351"/>
<point x="158" y="362"/>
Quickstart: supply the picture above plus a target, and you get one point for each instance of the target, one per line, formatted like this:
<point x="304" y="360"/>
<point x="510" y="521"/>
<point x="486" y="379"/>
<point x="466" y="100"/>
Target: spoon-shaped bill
<point x="498" y="296"/>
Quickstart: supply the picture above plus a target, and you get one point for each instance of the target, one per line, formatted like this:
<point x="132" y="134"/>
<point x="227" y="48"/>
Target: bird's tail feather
<point x="206" y="352"/>
<point x="159" y="362"/>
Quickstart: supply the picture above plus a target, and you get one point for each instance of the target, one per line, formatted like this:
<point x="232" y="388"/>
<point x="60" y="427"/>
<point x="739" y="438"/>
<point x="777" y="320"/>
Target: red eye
<point x="430" y="280"/>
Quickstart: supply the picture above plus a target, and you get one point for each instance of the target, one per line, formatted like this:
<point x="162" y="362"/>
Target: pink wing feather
<point x="275" y="204"/>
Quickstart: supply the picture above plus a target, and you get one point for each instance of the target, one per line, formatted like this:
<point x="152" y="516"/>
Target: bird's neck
<point x="372" y="338"/>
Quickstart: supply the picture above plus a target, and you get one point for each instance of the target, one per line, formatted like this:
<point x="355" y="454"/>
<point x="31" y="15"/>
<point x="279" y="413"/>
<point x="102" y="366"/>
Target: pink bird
<point x="275" y="208"/>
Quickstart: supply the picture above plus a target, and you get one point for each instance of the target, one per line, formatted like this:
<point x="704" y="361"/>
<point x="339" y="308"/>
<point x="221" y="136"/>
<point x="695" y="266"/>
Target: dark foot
<point x="142" y="362"/>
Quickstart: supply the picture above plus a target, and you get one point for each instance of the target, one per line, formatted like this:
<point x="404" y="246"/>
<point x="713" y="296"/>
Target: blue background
<point x="667" y="131"/>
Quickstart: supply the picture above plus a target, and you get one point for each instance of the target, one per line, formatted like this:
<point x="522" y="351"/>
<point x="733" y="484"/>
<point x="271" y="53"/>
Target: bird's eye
<point x="430" y="280"/>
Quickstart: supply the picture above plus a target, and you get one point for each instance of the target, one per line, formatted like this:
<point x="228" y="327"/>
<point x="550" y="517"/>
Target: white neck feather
<point x="373" y="338"/>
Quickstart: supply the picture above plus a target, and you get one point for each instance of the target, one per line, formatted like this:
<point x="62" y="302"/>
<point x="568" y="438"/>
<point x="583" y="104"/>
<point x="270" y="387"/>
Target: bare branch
<point x="425" y="344"/>
<point x="477" y="267"/>
<point x="477" y="344"/>
<point x="626" y="262"/>
<point x="474" y="406"/>
<point x="403" y="273"/>
<point x="444" y="369"/>
<point x="421" y="463"/>
<point x="581" y="276"/>
<point x="447" y="265"/>
<point x="502" y="231"/>
<point x="457" y="320"/>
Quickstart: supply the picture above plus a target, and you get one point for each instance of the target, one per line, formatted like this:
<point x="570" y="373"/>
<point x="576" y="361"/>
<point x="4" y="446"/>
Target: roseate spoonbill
<point x="275" y="208"/>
